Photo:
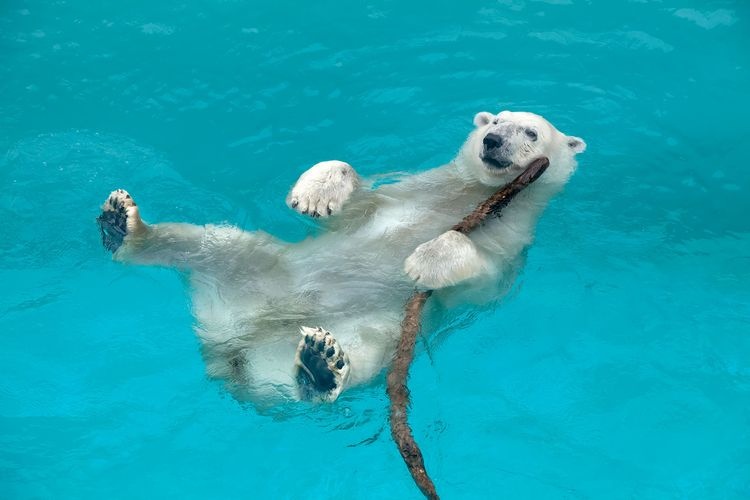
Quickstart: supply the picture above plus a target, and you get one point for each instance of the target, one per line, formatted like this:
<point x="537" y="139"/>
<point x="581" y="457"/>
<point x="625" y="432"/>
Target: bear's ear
<point x="576" y="144"/>
<point x="483" y="118"/>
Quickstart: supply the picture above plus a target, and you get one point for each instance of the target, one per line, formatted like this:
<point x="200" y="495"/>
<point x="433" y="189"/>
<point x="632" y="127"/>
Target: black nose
<point x="492" y="141"/>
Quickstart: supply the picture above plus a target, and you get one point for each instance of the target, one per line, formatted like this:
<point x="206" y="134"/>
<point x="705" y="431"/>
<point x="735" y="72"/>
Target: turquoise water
<point x="619" y="367"/>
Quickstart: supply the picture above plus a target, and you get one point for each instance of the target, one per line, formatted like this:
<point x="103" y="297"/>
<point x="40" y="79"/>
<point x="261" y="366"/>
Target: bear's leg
<point x="130" y="239"/>
<point x="321" y="367"/>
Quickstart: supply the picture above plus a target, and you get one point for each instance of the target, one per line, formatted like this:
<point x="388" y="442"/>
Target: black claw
<point x="329" y="210"/>
<point x="295" y="203"/>
<point x="340" y="364"/>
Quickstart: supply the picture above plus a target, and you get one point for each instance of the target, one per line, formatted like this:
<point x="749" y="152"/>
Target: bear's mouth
<point x="497" y="164"/>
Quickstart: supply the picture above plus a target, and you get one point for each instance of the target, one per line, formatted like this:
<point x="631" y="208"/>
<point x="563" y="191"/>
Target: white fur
<point x="251" y="292"/>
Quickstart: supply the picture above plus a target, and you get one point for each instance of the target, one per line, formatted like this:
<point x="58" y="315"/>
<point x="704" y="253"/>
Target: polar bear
<point x="344" y="290"/>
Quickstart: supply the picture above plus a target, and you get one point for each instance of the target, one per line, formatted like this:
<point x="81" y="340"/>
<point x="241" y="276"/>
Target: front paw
<point x="323" y="189"/>
<point x="446" y="260"/>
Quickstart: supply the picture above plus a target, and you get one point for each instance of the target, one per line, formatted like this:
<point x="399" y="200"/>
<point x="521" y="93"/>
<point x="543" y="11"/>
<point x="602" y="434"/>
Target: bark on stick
<point x="398" y="392"/>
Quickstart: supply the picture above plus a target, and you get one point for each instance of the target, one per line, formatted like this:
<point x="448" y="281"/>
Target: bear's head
<point x="502" y="145"/>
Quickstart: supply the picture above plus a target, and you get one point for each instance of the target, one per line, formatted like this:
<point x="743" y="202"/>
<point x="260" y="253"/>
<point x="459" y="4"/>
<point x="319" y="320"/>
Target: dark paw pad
<point x="114" y="219"/>
<point x="321" y="364"/>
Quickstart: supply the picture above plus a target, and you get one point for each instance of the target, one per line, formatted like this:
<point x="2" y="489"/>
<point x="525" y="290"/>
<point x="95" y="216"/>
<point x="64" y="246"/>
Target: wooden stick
<point x="398" y="392"/>
<point x="495" y="203"/>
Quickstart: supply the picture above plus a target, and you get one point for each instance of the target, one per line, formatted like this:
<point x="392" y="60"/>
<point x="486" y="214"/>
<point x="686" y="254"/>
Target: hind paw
<point x="119" y="219"/>
<point x="322" y="367"/>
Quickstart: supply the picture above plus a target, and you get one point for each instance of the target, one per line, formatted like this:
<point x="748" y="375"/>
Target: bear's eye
<point x="531" y="134"/>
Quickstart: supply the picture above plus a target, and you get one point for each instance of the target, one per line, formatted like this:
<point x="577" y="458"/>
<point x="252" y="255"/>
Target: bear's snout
<point x="495" y="151"/>
<point x="492" y="141"/>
